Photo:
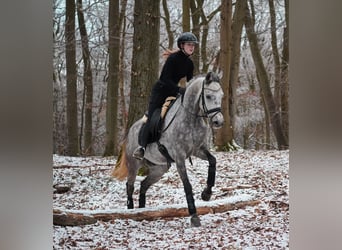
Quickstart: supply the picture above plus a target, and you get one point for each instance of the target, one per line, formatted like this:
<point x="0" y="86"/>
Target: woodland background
<point x="108" y="54"/>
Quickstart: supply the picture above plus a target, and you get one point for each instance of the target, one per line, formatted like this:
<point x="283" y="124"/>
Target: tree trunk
<point x="276" y="60"/>
<point x="195" y="18"/>
<point x="122" y="99"/>
<point x="203" y="48"/>
<point x="216" y="66"/>
<point x="113" y="80"/>
<point x="238" y="21"/>
<point x="264" y="82"/>
<point x="87" y="81"/>
<point x="70" y="48"/>
<point x="122" y="115"/>
<point x="284" y="90"/>
<point x="186" y="15"/>
<point x="145" y="59"/>
<point x="168" y="25"/>
<point x="224" y="136"/>
<point x="267" y="122"/>
<point x="203" y="41"/>
<point x="72" y="218"/>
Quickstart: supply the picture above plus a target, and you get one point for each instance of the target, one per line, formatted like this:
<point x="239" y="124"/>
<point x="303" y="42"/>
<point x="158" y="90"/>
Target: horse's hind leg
<point x="130" y="187"/>
<point x="154" y="175"/>
<point x="130" y="190"/>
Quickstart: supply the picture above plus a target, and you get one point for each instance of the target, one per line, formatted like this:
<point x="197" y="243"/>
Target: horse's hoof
<point x="206" y="195"/>
<point x="195" y="221"/>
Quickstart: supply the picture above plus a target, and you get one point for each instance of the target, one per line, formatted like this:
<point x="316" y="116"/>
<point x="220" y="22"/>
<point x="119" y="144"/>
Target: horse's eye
<point x="208" y="97"/>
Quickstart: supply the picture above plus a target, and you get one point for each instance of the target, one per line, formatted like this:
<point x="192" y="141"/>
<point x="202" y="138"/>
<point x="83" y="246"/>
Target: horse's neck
<point x="191" y="99"/>
<point x="192" y="112"/>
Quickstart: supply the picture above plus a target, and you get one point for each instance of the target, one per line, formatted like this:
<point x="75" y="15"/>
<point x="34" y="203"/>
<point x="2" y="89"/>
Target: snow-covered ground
<point x="264" y="226"/>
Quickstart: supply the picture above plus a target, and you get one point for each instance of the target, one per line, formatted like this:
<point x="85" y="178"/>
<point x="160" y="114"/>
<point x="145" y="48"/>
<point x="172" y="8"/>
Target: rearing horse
<point x="184" y="133"/>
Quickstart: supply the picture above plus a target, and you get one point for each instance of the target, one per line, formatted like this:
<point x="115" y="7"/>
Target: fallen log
<point x="105" y="166"/>
<point x="231" y="188"/>
<point x="83" y="217"/>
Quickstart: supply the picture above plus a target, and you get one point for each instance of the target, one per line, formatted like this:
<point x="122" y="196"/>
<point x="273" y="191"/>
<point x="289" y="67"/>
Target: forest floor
<point x="262" y="175"/>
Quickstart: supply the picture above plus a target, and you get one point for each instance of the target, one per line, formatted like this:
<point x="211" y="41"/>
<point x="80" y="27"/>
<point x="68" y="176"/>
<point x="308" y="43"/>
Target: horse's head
<point x="211" y="99"/>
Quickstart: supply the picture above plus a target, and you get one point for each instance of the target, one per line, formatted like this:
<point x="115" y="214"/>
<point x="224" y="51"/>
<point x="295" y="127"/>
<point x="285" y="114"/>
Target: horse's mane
<point x="194" y="79"/>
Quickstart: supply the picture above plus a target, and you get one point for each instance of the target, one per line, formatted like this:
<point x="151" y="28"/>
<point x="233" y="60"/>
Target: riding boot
<point x="140" y="151"/>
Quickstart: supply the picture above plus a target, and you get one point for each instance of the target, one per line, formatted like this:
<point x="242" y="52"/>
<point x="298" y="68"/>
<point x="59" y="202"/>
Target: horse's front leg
<point x="195" y="221"/>
<point x="206" y="194"/>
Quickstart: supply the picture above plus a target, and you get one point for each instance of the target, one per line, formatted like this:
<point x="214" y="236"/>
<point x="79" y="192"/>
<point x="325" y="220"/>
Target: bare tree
<point x="145" y="59"/>
<point x="237" y="25"/>
<point x="200" y="22"/>
<point x="263" y="80"/>
<point x="224" y="136"/>
<point x="70" y="48"/>
<point x="88" y="84"/>
<point x="284" y="90"/>
<point x="186" y="15"/>
<point x="205" y="21"/>
<point x="113" y="80"/>
<point x="195" y="7"/>
<point x="168" y="24"/>
<point x="134" y="82"/>
<point x="276" y="60"/>
<point x="122" y="25"/>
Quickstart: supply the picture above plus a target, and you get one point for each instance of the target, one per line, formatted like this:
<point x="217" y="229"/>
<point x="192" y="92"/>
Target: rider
<point x="177" y="66"/>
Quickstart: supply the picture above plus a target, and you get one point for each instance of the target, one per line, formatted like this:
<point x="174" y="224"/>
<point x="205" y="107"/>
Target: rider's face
<point x="189" y="47"/>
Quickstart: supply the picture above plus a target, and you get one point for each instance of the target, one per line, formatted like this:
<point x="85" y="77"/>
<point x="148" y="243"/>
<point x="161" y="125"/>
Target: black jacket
<point x="177" y="66"/>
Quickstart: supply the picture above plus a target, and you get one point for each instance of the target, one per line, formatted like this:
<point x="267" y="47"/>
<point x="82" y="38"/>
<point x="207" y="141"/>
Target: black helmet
<point x="186" y="37"/>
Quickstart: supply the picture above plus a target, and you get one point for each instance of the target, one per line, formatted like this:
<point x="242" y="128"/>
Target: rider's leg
<point x="156" y="101"/>
<point x="140" y="151"/>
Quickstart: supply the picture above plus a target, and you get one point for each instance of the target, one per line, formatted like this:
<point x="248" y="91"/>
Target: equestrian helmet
<point x="186" y="37"/>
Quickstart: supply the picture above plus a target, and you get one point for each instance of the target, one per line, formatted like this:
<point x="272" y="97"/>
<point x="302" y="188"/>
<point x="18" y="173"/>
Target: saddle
<point x="156" y="121"/>
<point x="155" y="127"/>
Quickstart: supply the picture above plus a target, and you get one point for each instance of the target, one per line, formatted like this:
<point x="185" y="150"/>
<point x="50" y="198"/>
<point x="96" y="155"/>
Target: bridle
<point x="205" y="109"/>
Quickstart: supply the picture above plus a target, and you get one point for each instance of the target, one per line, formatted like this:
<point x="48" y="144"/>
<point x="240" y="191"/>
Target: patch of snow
<point x="264" y="226"/>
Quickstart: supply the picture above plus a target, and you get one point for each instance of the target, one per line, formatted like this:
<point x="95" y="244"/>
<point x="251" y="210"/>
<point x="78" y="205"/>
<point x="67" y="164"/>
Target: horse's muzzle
<point x="217" y="120"/>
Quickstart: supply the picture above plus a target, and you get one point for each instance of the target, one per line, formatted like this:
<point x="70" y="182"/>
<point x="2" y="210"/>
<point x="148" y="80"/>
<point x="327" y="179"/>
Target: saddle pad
<point x="166" y="105"/>
<point x="164" y="109"/>
<point x="144" y="118"/>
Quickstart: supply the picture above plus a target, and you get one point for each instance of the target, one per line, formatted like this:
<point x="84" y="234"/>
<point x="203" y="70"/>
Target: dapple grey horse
<point x="184" y="133"/>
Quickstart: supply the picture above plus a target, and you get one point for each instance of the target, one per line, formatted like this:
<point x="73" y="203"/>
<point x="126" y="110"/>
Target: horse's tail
<point x="120" y="171"/>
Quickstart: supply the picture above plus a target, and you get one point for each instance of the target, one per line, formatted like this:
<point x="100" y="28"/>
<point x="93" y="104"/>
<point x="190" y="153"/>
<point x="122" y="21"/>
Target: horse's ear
<point x="211" y="77"/>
